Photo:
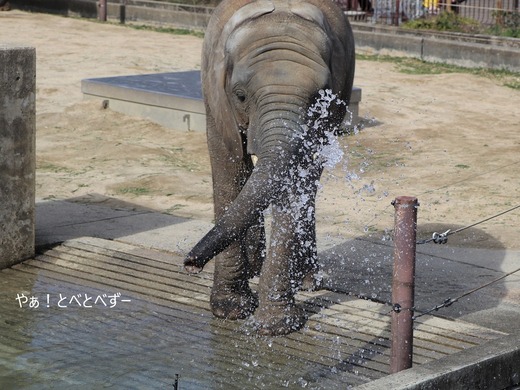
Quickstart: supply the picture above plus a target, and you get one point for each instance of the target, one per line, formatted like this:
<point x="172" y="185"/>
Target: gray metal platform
<point x="172" y="99"/>
<point x="160" y="325"/>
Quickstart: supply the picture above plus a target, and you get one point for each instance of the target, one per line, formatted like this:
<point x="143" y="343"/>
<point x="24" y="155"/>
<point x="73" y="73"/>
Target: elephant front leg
<point x="277" y="313"/>
<point x="307" y="266"/>
<point x="231" y="296"/>
<point x="292" y="261"/>
<point x="307" y="269"/>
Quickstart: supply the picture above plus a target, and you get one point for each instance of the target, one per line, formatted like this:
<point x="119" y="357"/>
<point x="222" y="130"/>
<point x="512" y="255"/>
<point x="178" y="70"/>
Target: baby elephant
<point x="268" y="67"/>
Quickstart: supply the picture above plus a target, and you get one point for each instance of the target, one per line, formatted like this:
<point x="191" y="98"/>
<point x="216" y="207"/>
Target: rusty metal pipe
<point x="403" y="282"/>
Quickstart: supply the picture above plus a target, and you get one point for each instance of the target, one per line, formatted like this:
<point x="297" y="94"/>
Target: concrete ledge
<point x="493" y="365"/>
<point x="456" y="49"/>
<point x="489" y="40"/>
<point x="385" y="43"/>
<point x="470" y="55"/>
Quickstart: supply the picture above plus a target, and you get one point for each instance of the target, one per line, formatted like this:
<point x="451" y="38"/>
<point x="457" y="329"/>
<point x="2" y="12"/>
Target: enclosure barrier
<point x="17" y="153"/>
<point x="403" y="278"/>
<point x="403" y="283"/>
<point x="390" y="12"/>
<point x="395" y="12"/>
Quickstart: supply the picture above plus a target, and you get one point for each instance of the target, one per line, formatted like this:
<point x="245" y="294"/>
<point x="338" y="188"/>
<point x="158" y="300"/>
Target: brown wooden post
<point x="403" y="283"/>
<point x="397" y="12"/>
<point x="499" y="13"/>
<point x="122" y="12"/>
<point x="102" y="10"/>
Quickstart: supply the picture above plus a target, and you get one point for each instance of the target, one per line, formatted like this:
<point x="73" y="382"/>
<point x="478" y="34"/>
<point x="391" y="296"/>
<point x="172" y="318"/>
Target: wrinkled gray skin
<point x="264" y="63"/>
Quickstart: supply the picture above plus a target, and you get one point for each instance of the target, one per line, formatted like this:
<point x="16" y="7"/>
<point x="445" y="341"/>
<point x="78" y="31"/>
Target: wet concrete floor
<point x="95" y="313"/>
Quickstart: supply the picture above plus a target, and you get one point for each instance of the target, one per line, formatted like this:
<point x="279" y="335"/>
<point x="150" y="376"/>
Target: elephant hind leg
<point x="254" y="247"/>
<point x="312" y="281"/>
<point x="307" y="270"/>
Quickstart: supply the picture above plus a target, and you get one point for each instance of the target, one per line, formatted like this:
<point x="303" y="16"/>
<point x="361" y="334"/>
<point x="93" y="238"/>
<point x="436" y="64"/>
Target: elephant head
<point x="265" y="64"/>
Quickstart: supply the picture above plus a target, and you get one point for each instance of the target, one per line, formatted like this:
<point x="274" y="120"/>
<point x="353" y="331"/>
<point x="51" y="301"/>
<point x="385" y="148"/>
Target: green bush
<point x="445" y="21"/>
<point x="507" y="24"/>
<point x="209" y="3"/>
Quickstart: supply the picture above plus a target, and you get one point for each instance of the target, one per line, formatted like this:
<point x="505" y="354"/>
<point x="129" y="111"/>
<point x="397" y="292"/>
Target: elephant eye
<point x="240" y="95"/>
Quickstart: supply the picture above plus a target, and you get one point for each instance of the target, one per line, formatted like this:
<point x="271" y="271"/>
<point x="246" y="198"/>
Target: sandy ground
<point x="452" y="140"/>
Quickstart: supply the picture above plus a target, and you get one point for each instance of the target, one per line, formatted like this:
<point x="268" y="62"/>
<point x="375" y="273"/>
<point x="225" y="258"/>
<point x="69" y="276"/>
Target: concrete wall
<point x="180" y="16"/>
<point x="140" y="11"/>
<point x="17" y="153"/>
<point x="455" y="49"/>
<point x="493" y="365"/>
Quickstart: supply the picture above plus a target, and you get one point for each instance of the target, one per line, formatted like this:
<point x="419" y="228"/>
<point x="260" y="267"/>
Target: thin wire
<point x="442" y="237"/>
<point x="470" y="178"/>
<point x="485" y="220"/>
<point x="450" y="301"/>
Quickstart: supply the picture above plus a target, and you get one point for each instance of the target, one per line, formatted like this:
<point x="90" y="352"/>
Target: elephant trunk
<point x="280" y="151"/>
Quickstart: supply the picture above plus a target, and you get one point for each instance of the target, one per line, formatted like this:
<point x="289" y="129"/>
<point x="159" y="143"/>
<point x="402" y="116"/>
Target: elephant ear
<point x="332" y="21"/>
<point x="216" y="66"/>
<point x="307" y="11"/>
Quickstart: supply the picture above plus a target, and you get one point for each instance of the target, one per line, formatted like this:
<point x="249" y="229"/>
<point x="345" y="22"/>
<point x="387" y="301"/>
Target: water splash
<point x="319" y="116"/>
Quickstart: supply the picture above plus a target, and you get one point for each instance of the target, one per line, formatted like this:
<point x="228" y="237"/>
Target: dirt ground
<point x="452" y="140"/>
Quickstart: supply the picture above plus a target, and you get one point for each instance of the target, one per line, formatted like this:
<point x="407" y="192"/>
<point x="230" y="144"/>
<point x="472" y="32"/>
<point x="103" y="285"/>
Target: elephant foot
<point x="234" y="305"/>
<point x="279" y="321"/>
<point x="312" y="281"/>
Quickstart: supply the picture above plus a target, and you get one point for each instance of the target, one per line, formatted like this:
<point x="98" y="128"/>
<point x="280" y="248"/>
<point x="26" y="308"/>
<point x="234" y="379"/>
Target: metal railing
<point x="487" y="12"/>
<point x="396" y="11"/>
